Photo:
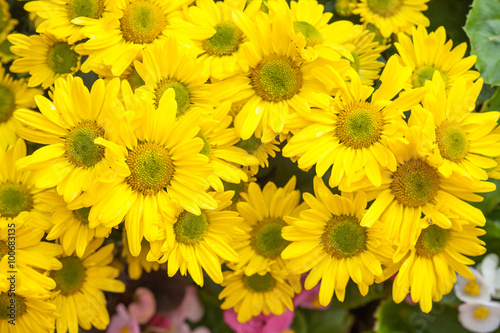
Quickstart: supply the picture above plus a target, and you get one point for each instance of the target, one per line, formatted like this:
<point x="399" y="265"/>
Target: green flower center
<point x="259" y="283"/>
<point x="311" y="34"/>
<point x="432" y="240"/>
<point x="85" y="8"/>
<point x="207" y="149"/>
<point x="80" y="147"/>
<point x="384" y="7"/>
<point x="226" y="40"/>
<point x="266" y="238"/>
<point x="276" y="78"/>
<point x="452" y="141"/>
<point x="359" y="125"/>
<point x="423" y="74"/>
<point x="82" y="215"/>
<point x="182" y="94"/>
<point x="344" y="237"/>
<point x="250" y="145"/>
<point x="135" y="80"/>
<point x="9" y="309"/>
<point x="415" y="183"/>
<point x="151" y="168"/>
<point x="189" y="228"/>
<point x="62" y="58"/>
<point x="14" y="199"/>
<point x="70" y="278"/>
<point x="142" y="22"/>
<point x="7" y="104"/>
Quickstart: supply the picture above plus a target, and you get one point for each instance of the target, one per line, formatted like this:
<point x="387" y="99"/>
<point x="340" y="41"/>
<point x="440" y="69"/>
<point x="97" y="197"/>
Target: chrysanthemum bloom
<point x="264" y="211"/>
<point x="393" y="16"/>
<point x="61" y="18"/>
<point x="329" y="241"/>
<point x="45" y="57"/>
<point x="193" y="243"/>
<point x="426" y="53"/>
<point x="251" y="295"/>
<point x="7" y="23"/>
<point x="457" y="139"/>
<point x="33" y="313"/>
<point x="279" y="81"/>
<point x="130" y="74"/>
<point x="355" y="134"/>
<point x="429" y="270"/>
<point x="132" y="27"/>
<point x="475" y="290"/>
<point x="417" y="188"/>
<point x="261" y="150"/>
<point x="80" y="283"/>
<point x="14" y="94"/>
<point x="481" y="317"/>
<point x="156" y="159"/>
<point x="68" y="126"/>
<point x="138" y="264"/>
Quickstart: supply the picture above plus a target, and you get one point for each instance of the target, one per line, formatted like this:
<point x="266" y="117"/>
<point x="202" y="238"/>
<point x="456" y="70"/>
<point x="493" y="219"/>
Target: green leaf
<point x="299" y="324"/>
<point x="483" y="29"/>
<point x="452" y="23"/>
<point x="332" y="320"/>
<point x="493" y="102"/>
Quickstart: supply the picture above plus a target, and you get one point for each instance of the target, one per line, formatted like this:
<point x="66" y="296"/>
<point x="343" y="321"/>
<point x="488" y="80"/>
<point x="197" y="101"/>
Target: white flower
<point x="491" y="272"/>
<point x="481" y="317"/>
<point x="478" y="290"/>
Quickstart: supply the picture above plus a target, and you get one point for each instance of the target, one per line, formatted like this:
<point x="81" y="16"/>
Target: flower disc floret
<point x="62" y="59"/>
<point x="226" y="40"/>
<point x="452" y="141"/>
<point x="189" y="228"/>
<point x="423" y="74"/>
<point x="182" y="94"/>
<point x="85" y="8"/>
<point x="276" y="78"/>
<point x="266" y="237"/>
<point x="311" y="34"/>
<point x="359" y="125"/>
<point x="432" y="240"/>
<point x="259" y="283"/>
<point x="14" y="199"/>
<point x="82" y="214"/>
<point x="142" y="22"/>
<point x="70" y="277"/>
<point x="151" y="168"/>
<point x="81" y="150"/>
<point x="344" y="237"/>
<point x="415" y="183"/>
<point x="7" y="104"/>
<point x="384" y="7"/>
<point x="6" y="305"/>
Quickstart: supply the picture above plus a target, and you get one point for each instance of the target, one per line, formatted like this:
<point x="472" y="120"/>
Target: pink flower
<point x="123" y="320"/>
<point x="145" y="307"/>
<point x="309" y="299"/>
<point x="260" y="324"/>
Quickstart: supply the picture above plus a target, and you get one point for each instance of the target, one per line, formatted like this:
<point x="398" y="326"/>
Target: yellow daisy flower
<point x="130" y="74"/>
<point x="156" y="162"/>
<point x="33" y="313"/>
<point x="427" y="53"/>
<point x="194" y="243"/>
<point x="255" y="294"/>
<point x="345" y="7"/>
<point x="279" y="81"/>
<point x="416" y="194"/>
<point x="260" y="247"/>
<point x="68" y="126"/>
<point x="261" y="150"/>
<point x="329" y="241"/>
<point x="14" y="94"/>
<point x="458" y="140"/>
<point x="393" y="16"/>
<point x="131" y="27"/>
<point x="355" y="135"/>
<point x="138" y="264"/>
<point x="429" y="271"/>
<point x="45" y="57"/>
<point x="80" y="283"/>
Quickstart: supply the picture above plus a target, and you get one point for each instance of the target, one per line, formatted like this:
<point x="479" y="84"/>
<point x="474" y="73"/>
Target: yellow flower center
<point x="452" y="141"/>
<point x="82" y="215"/>
<point x="481" y="313"/>
<point x="189" y="229"/>
<point x="182" y="94"/>
<point x="259" y="283"/>
<point x="151" y="168"/>
<point x="142" y="22"/>
<point x="276" y="78"/>
<point x="81" y="150"/>
<point x="85" y="8"/>
<point x="423" y="74"/>
<point x="250" y="145"/>
<point x="8" y="308"/>
<point x="266" y="238"/>
<point x="359" y="125"/>
<point x="472" y="288"/>
<point x="384" y="7"/>
<point x="415" y="183"/>
<point x="62" y="59"/>
<point x="135" y="80"/>
<point x="311" y="34"/>
<point x="70" y="278"/>
<point x="14" y="199"/>
<point x="7" y="104"/>
<point x="226" y="40"/>
<point x="432" y="240"/>
<point x="344" y="237"/>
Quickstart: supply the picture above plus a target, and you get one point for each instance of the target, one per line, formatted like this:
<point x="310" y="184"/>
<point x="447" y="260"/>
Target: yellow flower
<point x="429" y="271"/>
<point x="45" y="57"/>
<point x="393" y="16"/>
<point x="428" y="53"/>
<point x="80" y="283"/>
<point x="138" y="264"/>
<point x="260" y="150"/>
<point x="329" y="241"/>
<point x="355" y="135"/>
